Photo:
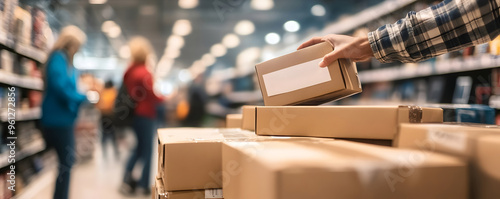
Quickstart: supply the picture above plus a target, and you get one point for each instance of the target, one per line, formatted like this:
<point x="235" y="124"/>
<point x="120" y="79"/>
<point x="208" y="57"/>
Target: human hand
<point x="355" y="48"/>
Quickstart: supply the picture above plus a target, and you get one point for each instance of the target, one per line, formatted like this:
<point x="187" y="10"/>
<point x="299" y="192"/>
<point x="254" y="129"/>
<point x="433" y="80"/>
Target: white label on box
<point x="296" y="77"/>
<point x="213" y="193"/>
<point x="455" y="141"/>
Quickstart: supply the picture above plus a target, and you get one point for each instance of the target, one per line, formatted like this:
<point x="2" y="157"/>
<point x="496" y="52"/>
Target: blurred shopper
<point x="139" y="83"/>
<point x="446" y="27"/>
<point x="61" y="102"/>
<point x="197" y="100"/>
<point x="105" y="105"/>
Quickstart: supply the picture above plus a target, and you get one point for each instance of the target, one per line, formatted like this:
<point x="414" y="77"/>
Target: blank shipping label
<point x="296" y="77"/>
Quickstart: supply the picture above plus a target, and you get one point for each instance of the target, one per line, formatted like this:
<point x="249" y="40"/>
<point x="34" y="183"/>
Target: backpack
<point x="123" y="112"/>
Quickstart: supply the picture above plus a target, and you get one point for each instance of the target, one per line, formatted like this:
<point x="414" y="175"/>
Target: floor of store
<point x="99" y="177"/>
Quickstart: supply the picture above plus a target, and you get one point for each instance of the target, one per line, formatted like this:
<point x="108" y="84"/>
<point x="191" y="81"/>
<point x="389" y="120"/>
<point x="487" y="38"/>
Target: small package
<point x="297" y="79"/>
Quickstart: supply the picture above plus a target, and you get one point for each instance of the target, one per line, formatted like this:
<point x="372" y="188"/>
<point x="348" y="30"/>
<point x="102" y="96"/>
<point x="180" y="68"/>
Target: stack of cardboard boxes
<point x="323" y="152"/>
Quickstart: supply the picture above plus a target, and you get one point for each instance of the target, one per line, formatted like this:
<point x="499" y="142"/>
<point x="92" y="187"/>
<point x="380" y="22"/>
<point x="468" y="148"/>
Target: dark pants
<point x="62" y="139"/>
<point x="109" y="133"/>
<point x="144" y="129"/>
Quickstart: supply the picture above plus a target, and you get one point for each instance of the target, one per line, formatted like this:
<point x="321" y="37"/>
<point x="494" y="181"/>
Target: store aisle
<point x="96" y="178"/>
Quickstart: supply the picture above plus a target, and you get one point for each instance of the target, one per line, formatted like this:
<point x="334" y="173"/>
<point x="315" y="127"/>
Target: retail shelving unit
<point x="416" y="83"/>
<point x="29" y="143"/>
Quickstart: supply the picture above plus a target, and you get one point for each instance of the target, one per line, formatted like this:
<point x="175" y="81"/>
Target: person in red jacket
<point x="139" y="83"/>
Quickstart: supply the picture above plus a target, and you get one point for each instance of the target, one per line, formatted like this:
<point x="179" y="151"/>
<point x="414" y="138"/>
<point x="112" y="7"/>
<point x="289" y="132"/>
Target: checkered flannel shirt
<point x="448" y="26"/>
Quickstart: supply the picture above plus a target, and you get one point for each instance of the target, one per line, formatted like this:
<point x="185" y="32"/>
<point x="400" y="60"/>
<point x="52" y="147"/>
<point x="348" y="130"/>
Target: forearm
<point x="446" y="27"/>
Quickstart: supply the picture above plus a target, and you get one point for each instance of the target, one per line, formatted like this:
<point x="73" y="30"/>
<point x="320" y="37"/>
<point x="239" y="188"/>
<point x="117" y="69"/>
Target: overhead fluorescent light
<point x="208" y="59"/>
<point x="188" y="4"/>
<point x="244" y="27"/>
<point x="273" y="38"/>
<point x="292" y="26"/>
<point x="218" y="50"/>
<point x="318" y="10"/>
<point x="231" y="40"/>
<point x="175" y="41"/>
<point x="107" y="25"/>
<point x="262" y="4"/>
<point x="124" y="52"/>
<point x="182" y="27"/>
<point x="98" y="1"/>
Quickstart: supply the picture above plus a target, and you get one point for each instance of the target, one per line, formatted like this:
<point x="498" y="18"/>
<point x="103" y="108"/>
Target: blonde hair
<point x="70" y="37"/>
<point x="140" y="49"/>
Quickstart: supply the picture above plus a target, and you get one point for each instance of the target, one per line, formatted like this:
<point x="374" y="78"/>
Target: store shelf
<point x="26" y="51"/>
<point x="34" y="83"/>
<point x="32" y="149"/>
<point x="23" y="115"/>
<point x="366" y="16"/>
<point x="424" y="69"/>
<point x="351" y="22"/>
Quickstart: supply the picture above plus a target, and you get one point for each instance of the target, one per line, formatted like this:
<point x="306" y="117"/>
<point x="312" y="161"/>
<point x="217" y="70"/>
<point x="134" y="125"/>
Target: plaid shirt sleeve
<point x="448" y="26"/>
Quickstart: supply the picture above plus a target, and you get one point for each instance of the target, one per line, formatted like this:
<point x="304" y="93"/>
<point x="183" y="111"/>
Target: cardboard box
<point x="477" y="145"/>
<point x="297" y="79"/>
<point x="160" y="193"/>
<point x="234" y="120"/>
<point x="338" y="169"/>
<point x="190" y="158"/>
<point x="248" y="118"/>
<point x="364" y="122"/>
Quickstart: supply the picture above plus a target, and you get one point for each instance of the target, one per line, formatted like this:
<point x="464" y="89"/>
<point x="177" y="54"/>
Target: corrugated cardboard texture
<point x="338" y="169"/>
<point x="363" y="122"/>
<point x="234" y="120"/>
<point x="341" y="84"/>
<point x="480" y="146"/>
<point x="248" y="118"/>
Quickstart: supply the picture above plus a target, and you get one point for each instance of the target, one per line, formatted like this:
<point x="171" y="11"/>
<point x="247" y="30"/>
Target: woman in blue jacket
<point x="61" y="102"/>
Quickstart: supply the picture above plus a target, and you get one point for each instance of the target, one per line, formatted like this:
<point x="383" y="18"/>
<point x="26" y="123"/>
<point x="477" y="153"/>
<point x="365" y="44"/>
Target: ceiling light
<point x="114" y="31"/>
<point x="318" y="10"/>
<point x="172" y="53"/>
<point x="244" y="27"/>
<point x="231" y="40"/>
<point x="188" y="4"/>
<point x="208" y="59"/>
<point x="273" y="38"/>
<point x="107" y="25"/>
<point x="184" y="75"/>
<point x="166" y="88"/>
<point x="292" y="26"/>
<point x="218" y="50"/>
<point x="97" y="1"/>
<point x="182" y="27"/>
<point x="262" y="4"/>
<point x="124" y="52"/>
<point x="175" y="41"/>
